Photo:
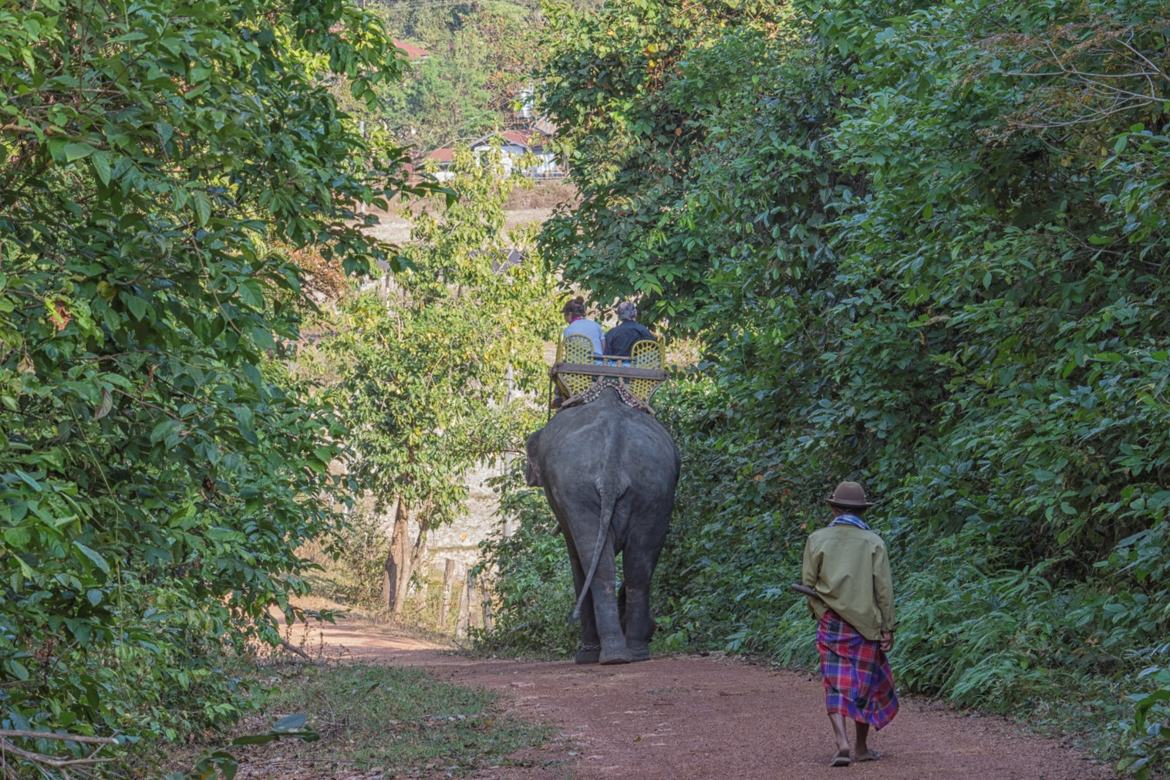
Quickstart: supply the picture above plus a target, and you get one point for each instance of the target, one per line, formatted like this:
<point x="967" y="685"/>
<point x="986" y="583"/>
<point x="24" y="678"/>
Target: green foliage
<point x="481" y="58"/>
<point x="448" y="96"/>
<point x="424" y="368"/>
<point x="924" y="245"/>
<point x="532" y="583"/>
<point x="158" y="466"/>
<point x="429" y="380"/>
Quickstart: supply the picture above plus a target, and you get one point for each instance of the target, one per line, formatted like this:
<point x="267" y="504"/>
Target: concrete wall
<point x="460" y="539"/>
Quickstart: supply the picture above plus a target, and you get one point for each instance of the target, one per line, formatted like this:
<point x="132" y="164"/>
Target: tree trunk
<point x="461" y="621"/>
<point x="445" y="596"/>
<point x="399" y="561"/>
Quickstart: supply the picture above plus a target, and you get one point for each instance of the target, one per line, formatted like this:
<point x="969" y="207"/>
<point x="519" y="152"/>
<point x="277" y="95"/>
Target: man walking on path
<point x="847" y="565"/>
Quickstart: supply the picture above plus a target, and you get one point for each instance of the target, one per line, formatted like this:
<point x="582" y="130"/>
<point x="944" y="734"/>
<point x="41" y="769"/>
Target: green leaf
<point x="136" y="305"/>
<point x="17" y="537"/>
<point x="246" y="425"/>
<point x="202" y="205"/>
<point x="17" y="669"/>
<point x="251" y="294"/>
<point x="101" y="166"/>
<point x="93" y="556"/>
<point x="76" y="150"/>
<point x="28" y="480"/>
<point x="164" y="430"/>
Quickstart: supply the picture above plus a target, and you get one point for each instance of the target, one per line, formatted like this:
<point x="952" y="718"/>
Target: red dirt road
<point x="712" y="717"/>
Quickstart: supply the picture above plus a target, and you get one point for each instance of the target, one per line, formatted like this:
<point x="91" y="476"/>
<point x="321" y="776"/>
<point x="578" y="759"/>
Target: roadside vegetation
<point x="180" y="195"/>
<point x="477" y="73"/>
<point x="923" y="245"/>
<point x="371" y="717"/>
<point x="163" y="176"/>
<point x="429" y="379"/>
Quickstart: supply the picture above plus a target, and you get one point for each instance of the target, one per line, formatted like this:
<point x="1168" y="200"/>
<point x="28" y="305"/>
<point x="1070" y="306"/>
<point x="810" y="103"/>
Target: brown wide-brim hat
<point x="849" y="495"/>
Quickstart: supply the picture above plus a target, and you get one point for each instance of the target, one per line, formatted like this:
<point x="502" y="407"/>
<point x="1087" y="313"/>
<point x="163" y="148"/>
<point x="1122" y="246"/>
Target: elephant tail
<point x="607" y="504"/>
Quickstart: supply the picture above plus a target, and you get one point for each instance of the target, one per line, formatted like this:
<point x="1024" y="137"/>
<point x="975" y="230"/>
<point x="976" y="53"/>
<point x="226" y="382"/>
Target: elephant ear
<point x="532" y="475"/>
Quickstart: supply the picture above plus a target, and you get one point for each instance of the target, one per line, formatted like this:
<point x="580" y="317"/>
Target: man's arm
<point x="809" y="571"/>
<point x="883" y="587"/>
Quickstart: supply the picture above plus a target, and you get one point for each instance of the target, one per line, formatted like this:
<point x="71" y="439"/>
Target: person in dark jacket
<point x="628" y="332"/>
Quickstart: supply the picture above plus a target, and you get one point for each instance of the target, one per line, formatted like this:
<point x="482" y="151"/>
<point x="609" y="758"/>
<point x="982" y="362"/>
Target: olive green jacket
<point x="849" y="568"/>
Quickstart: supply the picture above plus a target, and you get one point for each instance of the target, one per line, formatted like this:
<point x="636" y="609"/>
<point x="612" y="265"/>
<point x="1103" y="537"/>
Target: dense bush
<point x="925" y="246"/>
<point x="158" y="465"/>
<point x="531" y="581"/>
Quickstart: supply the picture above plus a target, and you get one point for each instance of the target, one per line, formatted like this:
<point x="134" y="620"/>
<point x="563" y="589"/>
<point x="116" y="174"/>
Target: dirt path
<point x="712" y="717"/>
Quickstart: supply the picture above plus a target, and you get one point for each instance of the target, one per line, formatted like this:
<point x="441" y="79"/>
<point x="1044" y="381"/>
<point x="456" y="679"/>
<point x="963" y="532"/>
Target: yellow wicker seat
<point x="647" y="354"/>
<point x="577" y="368"/>
<point x="574" y="351"/>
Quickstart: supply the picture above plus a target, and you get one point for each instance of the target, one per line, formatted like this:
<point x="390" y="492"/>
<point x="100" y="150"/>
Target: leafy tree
<point x="481" y="57"/>
<point x="445" y="98"/>
<point x="157" y="464"/>
<point x="632" y="89"/>
<point x="434" y="367"/>
<point x="923" y="245"/>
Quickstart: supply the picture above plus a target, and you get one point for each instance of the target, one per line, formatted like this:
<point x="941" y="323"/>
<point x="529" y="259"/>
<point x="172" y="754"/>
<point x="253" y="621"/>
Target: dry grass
<point x="379" y="721"/>
<point x="544" y="195"/>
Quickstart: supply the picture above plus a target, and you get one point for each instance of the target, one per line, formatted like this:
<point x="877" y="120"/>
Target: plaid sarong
<point x="858" y="681"/>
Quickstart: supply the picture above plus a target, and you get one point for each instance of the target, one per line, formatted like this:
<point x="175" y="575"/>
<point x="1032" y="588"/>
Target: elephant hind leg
<point x="637" y="622"/>
<point x="605" y="606"/>
<point x="639" y="648"/>
<point x="589" y="647"/>
<point x="622" y="609"/>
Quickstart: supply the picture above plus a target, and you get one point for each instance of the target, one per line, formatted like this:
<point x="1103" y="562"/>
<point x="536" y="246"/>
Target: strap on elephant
<point x="596" y="389"/>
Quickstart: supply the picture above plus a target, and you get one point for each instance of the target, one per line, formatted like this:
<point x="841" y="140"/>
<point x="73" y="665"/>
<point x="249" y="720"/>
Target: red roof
<point x="411" y="51"/>
<point x="518" y="137"/>
<point x="442" y="154"/>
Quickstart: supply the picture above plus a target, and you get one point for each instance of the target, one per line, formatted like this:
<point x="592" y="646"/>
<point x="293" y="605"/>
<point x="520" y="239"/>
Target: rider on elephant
<point x="577" y="324"/>
<point x="628" y="331"/>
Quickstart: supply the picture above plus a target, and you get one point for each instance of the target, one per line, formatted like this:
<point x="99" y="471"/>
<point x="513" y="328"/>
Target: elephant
<point x="609" y="474"/>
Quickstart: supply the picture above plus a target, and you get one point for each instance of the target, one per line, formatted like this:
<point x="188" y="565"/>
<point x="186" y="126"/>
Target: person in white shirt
<point x="580" y="325"/>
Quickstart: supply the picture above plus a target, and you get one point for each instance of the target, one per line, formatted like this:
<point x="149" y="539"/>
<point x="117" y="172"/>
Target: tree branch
<point x="53" y="761"/>
<point x="20" y="734"/>
<point x="294" y="649"/>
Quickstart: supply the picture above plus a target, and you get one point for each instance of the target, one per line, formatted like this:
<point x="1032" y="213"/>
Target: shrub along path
<point x="709" y="717"/>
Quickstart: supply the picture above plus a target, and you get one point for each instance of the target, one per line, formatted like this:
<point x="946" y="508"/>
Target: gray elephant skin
<point x="609" y="473"/>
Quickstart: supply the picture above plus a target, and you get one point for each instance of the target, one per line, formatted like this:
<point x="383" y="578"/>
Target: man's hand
<point x="887" y="641"/>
